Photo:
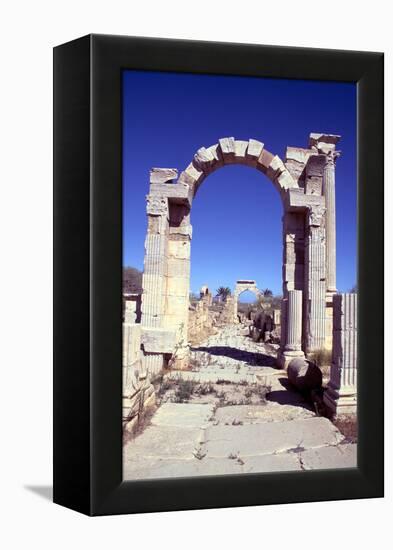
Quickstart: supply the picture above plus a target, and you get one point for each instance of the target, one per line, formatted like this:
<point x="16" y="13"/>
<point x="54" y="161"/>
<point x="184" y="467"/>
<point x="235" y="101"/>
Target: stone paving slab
<point x="213" y="376"/>
<point x="269" y="437"/>
<point x="161" y="468"/>
<point x="257" y="414"/>
<point x="155" y="468"/>
<point x="340" y="456"/>
<point x="183" y="415"/>
<point x="285" y="462"/>
<point x="165" y="442"/>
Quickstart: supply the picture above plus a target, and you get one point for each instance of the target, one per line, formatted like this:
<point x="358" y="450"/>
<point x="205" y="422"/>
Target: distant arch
<point x="242" y="285"/>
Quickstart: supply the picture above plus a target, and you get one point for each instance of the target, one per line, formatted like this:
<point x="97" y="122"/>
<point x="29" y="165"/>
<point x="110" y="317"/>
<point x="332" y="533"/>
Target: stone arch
<point x="242" y="285"/>
<point x="229" y="150"/>
<point x="305" y="183"/>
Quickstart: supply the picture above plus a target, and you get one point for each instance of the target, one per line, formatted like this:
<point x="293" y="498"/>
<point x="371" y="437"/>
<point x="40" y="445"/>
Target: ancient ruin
<point x="313" y="319"/>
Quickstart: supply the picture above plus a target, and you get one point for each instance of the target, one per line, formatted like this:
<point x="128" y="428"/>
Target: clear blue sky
<point x="236" y="215"/>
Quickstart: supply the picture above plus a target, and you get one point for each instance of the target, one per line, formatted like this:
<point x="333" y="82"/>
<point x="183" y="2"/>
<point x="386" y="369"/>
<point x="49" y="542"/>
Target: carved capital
<point x="316" y="215"/>
<point x="156" y="205"/>
<point x="331" y="158"/>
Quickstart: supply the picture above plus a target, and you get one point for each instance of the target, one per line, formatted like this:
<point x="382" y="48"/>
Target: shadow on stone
<point x="44" y="491"/>
<point x="251" y="358"/>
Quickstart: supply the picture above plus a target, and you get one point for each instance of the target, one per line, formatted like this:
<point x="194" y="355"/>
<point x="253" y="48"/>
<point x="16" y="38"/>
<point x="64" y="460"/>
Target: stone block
<point x="297" y="199"/>
<point x="240" y="150"/>
<point x="313" y="185"/>
<point x="178" y="286"/>
<point x="178" y="267"/>
<point x="179" y="249"/>
<point x="254" y="151"/>
<point x="158" y="340"/>
<point x="163" y="175"/>
<point x="325" y="458"/>
<point x="264" y="161"/>
<point x="227" y="146"/>
<point x="304" y="374"/>
<point x="178" y="193"/>
<point x="275" y="168"/>
<point x="131" y="343"/>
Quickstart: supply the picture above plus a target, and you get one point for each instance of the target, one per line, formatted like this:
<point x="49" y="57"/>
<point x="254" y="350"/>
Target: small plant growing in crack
<point x="240" y="461"/>
<point x="199" y="454"/>
<point x="236" y="422"/>
<point x="233" y="456"/>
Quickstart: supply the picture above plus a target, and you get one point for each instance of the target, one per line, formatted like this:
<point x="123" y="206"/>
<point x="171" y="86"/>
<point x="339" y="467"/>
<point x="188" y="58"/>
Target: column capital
<point x="331" y="157"/>
<point x="316" y="216"/>
<point x="157" y="205"/>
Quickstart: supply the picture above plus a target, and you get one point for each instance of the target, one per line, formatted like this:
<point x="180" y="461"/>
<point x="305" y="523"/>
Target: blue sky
<point x="236" y="215"/>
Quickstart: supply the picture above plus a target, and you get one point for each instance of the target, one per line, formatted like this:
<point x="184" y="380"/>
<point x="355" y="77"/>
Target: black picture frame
<point x="88" y="274"/>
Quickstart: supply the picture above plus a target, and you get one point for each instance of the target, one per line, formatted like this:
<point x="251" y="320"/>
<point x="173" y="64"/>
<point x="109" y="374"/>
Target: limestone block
<point x="158" y="340"/>
<point x="285" y="180"/>
<point x="131" y="343"/>
<point x="179" y="249"/>
<point x="178" y="267"/>
<point x="296" y="198"/>
<point x="298" y="154"/>
<point x="316" y="138"/>
<point x="228" y="150"/>
<point x="240" y="150"/>
<point x="163" y="175"/>
<point x="177" y="305"/>
<point x="130" y="311"/>
<point x="315" y="165"/>
<point x="304" y="374"/>
<point x="254" y="151"/>
<point x="204" y="160"/>
<point x="178" y="286"/>
<point x="313" y="185"/>
<point x="264" y="161"/>
<point x="179" y="193"/>
<point x="194" y="175"/>
<point x="275" y="168"/>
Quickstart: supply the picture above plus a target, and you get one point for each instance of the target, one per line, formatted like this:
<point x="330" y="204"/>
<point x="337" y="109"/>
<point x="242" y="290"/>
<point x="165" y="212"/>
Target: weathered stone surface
<point x="158" y="340"/>
<point x="163" y="175"/>
<point x="341" y="394"/>
<point x="316" y="139"/>
<point x="254" y="151"/>
<point x="324" y="458"/>
<point x="240" y="150"/>
<point x="270" y="437"/>
<point x="172" y="442"/>
<point x="228" y="150"/>
<point x="304" y="374"/>
<point x="296" y="198"/>
<point x="184" y="415"/>
<point x="264" y="161"/>
<point x="179" y="193"/>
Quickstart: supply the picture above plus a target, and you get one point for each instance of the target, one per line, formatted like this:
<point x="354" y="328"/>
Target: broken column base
<point x="342" y="401"/>
<point x="285" y="357"/>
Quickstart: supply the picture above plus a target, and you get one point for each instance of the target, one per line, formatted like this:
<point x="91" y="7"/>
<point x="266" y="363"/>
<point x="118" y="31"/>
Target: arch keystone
<point x="254" y="151"/>
<point x="228" y="150"/>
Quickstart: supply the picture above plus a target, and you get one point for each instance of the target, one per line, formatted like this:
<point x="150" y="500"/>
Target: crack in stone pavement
<point x="233" y="403"/>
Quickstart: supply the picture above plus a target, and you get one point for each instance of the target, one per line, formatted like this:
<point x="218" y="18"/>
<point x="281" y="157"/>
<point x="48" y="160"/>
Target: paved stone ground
<point x="233" y="412"/>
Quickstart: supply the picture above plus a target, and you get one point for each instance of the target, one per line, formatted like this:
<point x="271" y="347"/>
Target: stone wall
<point x="138" y="392"/>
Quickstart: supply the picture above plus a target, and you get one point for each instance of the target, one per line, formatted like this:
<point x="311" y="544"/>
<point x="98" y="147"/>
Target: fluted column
<point x="315" y="255"/>
<point x="294" y="320"/>
<point x="155" y="263"/>
<point x="340" y="396"/>
<point x="154" y="275"/>
<point x="329" y="191"/>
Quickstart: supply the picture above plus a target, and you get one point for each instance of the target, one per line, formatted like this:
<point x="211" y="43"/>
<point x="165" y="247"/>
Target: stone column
<point x="292" y="327"/>
<point x="315" y="283"/>
<point x="329" y="191"/>
<point x="340" y="396"/>
<point x="294" y="321"/>
<point x="155" y="273"/>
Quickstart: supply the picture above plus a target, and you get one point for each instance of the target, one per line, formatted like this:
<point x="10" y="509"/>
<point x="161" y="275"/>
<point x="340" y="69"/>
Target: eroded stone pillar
<point x="293" y="328"/>
<point x="294" y="321"/>
<point x="340" y="396"/>
<point x="178" y="279"/>
<point x="315" y="259"/>
<point x="329" y="192"/>
<point x="155" y="274"/>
